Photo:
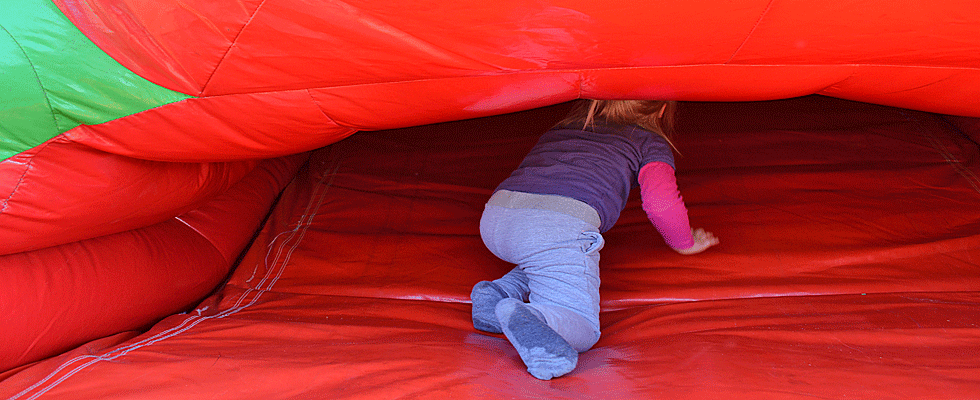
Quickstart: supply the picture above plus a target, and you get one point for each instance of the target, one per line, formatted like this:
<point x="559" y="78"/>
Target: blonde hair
<point x="653" y="115"/>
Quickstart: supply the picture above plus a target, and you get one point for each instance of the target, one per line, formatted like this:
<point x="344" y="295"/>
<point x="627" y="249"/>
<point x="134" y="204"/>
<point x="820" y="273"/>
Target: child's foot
<point x="485" y="296"/>
<point x="545" y="353"/>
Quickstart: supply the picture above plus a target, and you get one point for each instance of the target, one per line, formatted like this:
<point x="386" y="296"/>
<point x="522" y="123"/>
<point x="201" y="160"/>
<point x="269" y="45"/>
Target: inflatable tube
<point x="143" y="143"/>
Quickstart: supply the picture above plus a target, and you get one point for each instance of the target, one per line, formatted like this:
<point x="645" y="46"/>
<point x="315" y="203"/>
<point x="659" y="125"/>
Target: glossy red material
<point x="42" y="211"/>
<point x="850" y="255"/>
<point x="872" y="49"/>
<point x="848" y="268"/>
<point x="272" y="70"/>
<point x="58" y="297"/>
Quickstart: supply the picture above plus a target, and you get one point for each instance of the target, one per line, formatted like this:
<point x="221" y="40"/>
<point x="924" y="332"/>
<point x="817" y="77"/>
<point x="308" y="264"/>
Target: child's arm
<point x="665" y="209"/>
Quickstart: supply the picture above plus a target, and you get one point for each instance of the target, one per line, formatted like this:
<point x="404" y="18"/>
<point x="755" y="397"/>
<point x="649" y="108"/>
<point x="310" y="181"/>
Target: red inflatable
<point x="280" y="198"/>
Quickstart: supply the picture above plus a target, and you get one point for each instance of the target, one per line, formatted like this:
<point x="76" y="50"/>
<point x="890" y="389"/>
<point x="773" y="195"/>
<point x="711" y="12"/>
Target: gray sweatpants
<point x="557" y="257"/>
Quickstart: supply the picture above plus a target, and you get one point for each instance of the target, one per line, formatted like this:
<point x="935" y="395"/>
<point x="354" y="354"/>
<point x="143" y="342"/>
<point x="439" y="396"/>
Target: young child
<point x="548" y="216"/>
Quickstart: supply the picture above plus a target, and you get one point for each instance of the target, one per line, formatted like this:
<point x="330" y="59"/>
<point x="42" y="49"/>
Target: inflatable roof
<point x="280" y="198"/>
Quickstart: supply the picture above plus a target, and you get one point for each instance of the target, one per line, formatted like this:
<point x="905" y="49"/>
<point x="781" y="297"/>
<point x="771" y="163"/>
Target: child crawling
<point x="548" y="216"/>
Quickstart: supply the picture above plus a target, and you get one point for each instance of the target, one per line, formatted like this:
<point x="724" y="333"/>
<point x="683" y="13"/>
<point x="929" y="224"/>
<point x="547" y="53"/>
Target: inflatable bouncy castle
<point x="280" y="199"/>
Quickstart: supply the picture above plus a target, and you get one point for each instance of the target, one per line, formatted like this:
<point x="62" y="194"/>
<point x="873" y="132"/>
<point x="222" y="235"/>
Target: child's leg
<point x="564" y="284"/>
<point x="575" y="329"/>
<point x="545" y="353"/>
<point x="486" y="295"/>
<point x="559" y="256"/>
<point x="562" y="318"/>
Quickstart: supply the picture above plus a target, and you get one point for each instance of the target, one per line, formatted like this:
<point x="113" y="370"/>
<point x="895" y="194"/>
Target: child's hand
<point x="702" y="241"/>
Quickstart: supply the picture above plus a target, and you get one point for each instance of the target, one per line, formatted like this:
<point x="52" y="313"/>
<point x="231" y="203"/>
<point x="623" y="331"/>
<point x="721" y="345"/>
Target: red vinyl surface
<point x="277" y="77"/>
<point x="848" y="268"/>
<point x="59" y="297"/>
<point x="151" y="144"/>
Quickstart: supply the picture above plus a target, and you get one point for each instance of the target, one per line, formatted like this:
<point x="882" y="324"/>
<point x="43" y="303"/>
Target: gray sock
<point x="485" y="296"/>
<point x="545" y="353"/>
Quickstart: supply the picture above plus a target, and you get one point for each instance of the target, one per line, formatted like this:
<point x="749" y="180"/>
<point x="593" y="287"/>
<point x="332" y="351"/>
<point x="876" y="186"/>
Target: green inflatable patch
<point x="52" y="78"/>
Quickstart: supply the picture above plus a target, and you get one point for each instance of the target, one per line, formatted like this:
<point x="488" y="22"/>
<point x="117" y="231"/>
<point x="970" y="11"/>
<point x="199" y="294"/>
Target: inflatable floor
<point x="280" y="199"/>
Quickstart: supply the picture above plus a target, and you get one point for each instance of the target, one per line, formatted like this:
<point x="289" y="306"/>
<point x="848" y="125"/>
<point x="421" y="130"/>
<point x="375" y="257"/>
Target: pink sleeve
<point x="664" y="205"/>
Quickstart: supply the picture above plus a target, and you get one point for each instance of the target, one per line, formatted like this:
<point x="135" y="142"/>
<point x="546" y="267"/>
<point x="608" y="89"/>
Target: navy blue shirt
<point x="597" y="166"/>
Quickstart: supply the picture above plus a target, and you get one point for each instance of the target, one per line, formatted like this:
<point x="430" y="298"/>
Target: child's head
<point x="653" y="115"/>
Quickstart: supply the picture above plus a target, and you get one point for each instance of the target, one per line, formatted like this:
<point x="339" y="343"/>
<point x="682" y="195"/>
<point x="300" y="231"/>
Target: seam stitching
<point x="751" y="31"/>
<point x="279" y="262"/>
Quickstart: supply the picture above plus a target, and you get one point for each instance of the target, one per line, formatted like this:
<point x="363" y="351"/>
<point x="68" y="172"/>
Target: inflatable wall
<point x="279" y="199"/>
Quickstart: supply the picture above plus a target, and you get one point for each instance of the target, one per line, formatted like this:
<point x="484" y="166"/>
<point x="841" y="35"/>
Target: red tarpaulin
<point x="849" y="260"/>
